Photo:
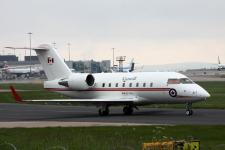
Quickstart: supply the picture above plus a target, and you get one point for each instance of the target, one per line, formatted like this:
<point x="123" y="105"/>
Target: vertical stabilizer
<point x="52" y="62"/>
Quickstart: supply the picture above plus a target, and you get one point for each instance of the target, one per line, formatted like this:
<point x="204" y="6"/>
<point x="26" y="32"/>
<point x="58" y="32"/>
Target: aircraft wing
<point x="88" y="101"/>
<point x="121" y="100"/>
<point x="85" y="101"/>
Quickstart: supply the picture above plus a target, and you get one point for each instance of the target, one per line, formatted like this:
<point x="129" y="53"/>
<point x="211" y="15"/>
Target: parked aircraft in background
<point x="108" y="89"/>
<point x="21" y="70"/>
<point x="220" y="66"/>
<point x="126" y="68"/>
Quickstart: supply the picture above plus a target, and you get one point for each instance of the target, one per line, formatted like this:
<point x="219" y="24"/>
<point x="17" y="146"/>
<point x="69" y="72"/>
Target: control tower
<point x="121" y="59"/>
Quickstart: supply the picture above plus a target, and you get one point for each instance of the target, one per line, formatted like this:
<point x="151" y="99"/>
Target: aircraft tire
<point x="189" y="112"/>
<point x="127" y="110"/>
<point x="172" y="92"/>
<point x="103" y="112"/>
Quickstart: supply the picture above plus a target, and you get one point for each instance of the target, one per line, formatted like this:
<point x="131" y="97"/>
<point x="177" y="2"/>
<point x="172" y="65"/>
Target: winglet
<point x="15" y="95"/>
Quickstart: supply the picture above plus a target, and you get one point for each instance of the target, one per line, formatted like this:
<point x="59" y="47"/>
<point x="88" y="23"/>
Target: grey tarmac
<point x="19" y="115"/>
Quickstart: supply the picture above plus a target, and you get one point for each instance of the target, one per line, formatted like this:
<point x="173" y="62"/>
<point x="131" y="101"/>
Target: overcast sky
<point x="150" y="31"/>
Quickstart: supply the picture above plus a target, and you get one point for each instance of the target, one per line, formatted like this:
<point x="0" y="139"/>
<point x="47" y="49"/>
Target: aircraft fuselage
<point x="151" y="87"/>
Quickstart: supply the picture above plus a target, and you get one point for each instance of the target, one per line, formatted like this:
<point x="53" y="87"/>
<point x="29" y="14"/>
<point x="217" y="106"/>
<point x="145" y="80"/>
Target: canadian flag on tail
<point x="50" y="60"/>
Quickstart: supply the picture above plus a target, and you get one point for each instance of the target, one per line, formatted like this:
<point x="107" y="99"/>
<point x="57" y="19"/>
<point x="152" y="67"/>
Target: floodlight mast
<point x="30" y="49"/>
<point x="69" y="50"/>
<point x="113" y="57"/>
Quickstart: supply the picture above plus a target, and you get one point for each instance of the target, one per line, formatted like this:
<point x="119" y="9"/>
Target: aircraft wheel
<point x="189" y="112"/>
<point x="103" y="112"/>
<point x="128" y="110"/>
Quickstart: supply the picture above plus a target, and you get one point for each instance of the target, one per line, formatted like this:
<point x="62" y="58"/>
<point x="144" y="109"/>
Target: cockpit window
<point x="179" y="81"/>
<point x="173" y="81"/>
<point x="186" y="81"/>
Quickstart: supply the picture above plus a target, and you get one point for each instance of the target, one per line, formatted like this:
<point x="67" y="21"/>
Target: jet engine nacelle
<point x="78" y="81"/>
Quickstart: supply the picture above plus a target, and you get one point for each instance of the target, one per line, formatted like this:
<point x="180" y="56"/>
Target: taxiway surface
<point x="59" y="113"/>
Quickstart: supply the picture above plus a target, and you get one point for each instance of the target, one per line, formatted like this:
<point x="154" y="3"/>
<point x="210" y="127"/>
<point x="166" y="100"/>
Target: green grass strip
<point x="108" y="138"/>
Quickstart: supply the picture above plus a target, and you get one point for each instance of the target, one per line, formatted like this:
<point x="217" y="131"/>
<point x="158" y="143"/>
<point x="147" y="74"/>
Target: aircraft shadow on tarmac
<point x="92" y="116"/>
<point x="28" y="112"/>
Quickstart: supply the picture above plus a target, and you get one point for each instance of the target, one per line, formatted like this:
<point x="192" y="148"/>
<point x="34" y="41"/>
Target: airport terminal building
<point x="87" y="66"/>
<point x="91" y="66"/>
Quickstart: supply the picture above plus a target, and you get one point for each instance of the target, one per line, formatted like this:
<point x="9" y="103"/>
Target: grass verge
<point x="108" y="138"/>
<point x="36" y="91"/>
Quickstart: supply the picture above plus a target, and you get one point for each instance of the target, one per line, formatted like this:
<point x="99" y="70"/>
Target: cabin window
<point x="116" y="85"/>
<point x="137" y="84"/>
<point x="130" y="85"/>
<point x="144" y="84"/>
<point x="109" y="84"/>
<point x="151" y="84"/>
<point x="103" y="84"/>
<point x="123" y="84"/>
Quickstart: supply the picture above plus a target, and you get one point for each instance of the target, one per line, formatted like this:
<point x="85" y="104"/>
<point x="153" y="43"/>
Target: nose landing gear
<point x="189" y="110"/>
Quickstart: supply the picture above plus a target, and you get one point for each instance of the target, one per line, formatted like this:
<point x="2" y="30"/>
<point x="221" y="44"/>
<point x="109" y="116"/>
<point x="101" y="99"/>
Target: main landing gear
<point x="128" y="110"/>
<point x="104" y="111"/>
<point x="189" y="110"/>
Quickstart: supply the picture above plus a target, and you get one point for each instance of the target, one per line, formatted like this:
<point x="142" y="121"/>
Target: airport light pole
<point x="113" y="56"/>
<point x="69" y="50"/>
<point x="30" y="49"/>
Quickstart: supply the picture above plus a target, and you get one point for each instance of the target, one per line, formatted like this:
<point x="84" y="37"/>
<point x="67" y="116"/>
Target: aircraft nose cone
<point x="206" y="94"/>
<point x="203" y="93"/>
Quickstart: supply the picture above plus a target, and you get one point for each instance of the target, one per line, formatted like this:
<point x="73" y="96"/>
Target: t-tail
<point x="52" y="62"/>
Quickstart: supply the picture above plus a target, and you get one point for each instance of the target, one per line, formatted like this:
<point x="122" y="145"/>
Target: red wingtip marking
<point x="15" y="94"/>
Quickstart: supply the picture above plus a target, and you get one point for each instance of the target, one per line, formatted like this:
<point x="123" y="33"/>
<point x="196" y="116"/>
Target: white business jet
<point x="21" y="70"/>
<point x="108" y="89"/>
<point x="220" y="66"/>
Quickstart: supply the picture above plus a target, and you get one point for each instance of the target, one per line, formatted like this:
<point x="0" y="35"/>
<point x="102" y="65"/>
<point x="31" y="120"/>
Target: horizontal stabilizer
<point x="36" y="48"/>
